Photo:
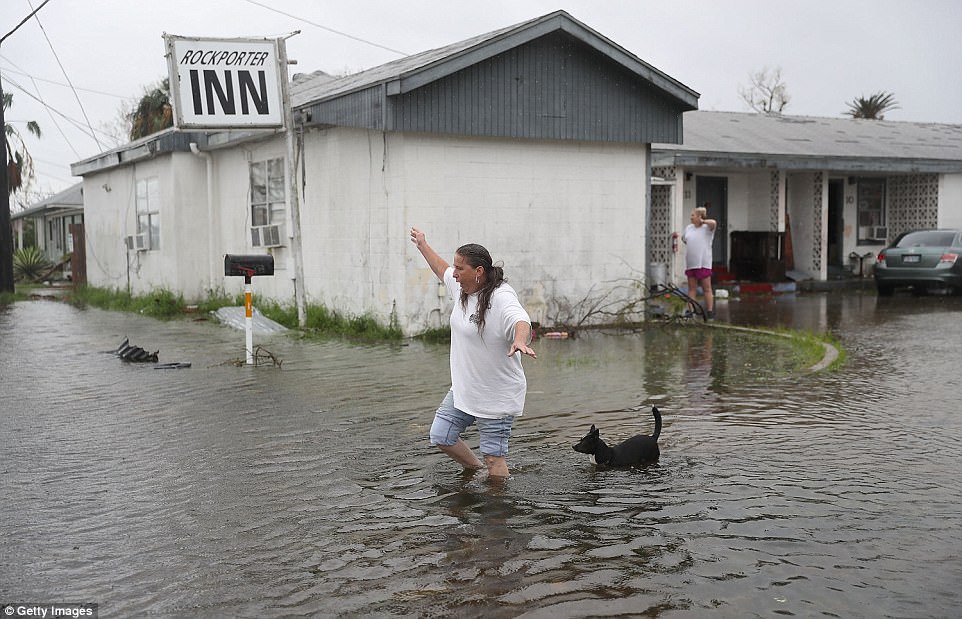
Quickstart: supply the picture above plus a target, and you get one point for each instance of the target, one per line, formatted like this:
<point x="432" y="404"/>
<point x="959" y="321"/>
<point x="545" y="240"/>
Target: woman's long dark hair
<point x="477" y="256"/>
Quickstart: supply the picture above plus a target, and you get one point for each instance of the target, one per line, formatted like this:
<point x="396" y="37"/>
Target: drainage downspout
<point x="210" y="212"/>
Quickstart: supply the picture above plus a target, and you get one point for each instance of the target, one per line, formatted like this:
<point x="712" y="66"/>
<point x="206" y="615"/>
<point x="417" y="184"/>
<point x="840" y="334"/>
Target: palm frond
<point x="872" y="107"/>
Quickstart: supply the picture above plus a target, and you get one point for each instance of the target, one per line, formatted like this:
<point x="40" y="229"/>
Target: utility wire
<point x="86" y="129"/>
<point x="23" y="21"/>
<point x="56" y="83"/>
<point x="316" y="25"/>
<point x="52" y="118"/>
<point x="57" y="125"/>
<point x="64" y="71"/>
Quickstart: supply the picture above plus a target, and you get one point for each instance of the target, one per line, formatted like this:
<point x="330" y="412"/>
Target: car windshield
<point x="928" y="238"/>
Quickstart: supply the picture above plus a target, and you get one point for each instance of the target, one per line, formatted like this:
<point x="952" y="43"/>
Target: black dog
<point x="638" y="449"/>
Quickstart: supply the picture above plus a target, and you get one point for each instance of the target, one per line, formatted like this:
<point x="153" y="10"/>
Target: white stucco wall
<point x="809" y="225"/>
<point x="749" y="205"/>
<point x="232" y="220"/>
<point x="950" y="201"/>
<point x="849" y="220"/>
<point x="567" y="220"/>
<point x="109" y="215"/>
<point x="184" y="223"/>
<point x="181" y="263"/>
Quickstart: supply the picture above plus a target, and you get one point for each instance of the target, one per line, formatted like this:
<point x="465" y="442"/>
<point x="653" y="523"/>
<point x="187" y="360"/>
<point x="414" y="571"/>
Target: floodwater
<point x="309" y="489"/>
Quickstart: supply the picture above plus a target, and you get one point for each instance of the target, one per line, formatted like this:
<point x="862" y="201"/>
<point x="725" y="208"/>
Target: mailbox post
<point x="248" y="266"/>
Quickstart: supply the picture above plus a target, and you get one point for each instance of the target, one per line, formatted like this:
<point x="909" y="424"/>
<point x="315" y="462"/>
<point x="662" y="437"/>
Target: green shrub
<point x="436" y="335"/>
<point x="8" y="298"/>
<point x="217" y="299"/>
<point x="30" y="264"/>
<point x="104" y="298"/>
<point x="160" y="303"/>
<point x="324" y="322"/>
<point x="320" y="321"/>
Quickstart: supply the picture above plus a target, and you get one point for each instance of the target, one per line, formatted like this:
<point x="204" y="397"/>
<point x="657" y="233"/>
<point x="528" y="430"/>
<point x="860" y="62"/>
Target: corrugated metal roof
<point x="740" y="136"/>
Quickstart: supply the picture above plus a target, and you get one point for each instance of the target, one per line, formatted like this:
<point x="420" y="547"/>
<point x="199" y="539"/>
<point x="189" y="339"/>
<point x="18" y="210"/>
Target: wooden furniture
<point x="757" y="256"/>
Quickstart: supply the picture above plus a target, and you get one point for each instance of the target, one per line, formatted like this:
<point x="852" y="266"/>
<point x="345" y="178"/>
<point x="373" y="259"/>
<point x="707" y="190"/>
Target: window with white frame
<point x="268" y="202"/>
<point x="871" y="211"/>
<point x="148" y="211"/>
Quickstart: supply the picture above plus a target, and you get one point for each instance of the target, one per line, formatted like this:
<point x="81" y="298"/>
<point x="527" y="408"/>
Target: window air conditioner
<point x="138" y="242"/>
<point x="267" y="236"/>
<point x="880" y="232"/>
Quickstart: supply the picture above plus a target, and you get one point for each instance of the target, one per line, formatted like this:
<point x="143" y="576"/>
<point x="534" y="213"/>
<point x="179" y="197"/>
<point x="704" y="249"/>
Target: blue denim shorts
<point x="450" y="422"/>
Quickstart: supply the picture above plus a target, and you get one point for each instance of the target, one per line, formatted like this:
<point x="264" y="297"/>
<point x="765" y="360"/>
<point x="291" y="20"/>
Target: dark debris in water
<point x="135" y="354"/>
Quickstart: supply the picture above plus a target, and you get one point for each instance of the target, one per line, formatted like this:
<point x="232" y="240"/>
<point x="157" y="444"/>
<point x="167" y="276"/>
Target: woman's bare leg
<point x="497" y="466"/>
<point x="462" y="454"/>
<point x="692" y="292"/>
<point x="709" y="294"/>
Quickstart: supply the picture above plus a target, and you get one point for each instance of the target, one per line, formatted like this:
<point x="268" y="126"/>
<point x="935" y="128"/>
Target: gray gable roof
<point x="551" y="77"/>
<point x="733" y="139"/>
<point x="69" y="199"/>
<point x="414" y="71"/>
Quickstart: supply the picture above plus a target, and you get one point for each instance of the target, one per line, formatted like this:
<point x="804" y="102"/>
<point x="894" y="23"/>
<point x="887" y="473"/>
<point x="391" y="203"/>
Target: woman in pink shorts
<point x="698" y="237"/>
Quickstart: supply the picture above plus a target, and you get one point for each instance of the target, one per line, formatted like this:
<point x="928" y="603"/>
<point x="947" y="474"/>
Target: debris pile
<point x="136" y="354"/>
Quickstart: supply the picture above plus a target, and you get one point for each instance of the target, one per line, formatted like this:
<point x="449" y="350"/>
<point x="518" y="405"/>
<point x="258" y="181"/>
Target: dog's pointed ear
<point x="593" y="430"/>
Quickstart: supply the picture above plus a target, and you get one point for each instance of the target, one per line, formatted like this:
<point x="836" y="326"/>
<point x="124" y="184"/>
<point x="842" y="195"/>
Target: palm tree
<point x="153" y="112"/>
<point x="872" y="108"/>
<point x="19" y="162"/>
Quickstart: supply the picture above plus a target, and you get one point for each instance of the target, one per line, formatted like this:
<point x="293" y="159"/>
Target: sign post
<point x="295" y="203"/>
<point x="248" y="266"/>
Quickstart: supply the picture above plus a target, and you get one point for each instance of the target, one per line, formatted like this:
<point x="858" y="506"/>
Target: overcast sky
<point x="829" y="51"/>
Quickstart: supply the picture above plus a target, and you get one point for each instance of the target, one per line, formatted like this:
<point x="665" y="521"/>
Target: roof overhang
<point x="169" y="141"/>
<point x="877" y="165"/>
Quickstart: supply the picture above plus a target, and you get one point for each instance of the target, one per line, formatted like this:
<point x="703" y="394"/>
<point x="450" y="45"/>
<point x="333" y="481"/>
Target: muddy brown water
<point x="309" y="490"/>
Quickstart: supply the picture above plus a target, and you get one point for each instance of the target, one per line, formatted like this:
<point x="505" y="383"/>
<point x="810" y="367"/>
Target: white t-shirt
<point x="698" y="240"/>
<point x="486" y="382"/>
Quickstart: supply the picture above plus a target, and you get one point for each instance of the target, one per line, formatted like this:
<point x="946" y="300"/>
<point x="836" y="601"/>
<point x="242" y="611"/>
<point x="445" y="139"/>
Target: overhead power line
<point x="332" y="30"/>
<point x="55" y="82"/>
<point x="23" y="21"/>
<point x="67" y="77"/>
<point x="49" y="113"/>
<point x="84" y="128"/>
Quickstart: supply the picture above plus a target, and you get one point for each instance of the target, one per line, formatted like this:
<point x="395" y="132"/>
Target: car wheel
<point x="885" y="290"/>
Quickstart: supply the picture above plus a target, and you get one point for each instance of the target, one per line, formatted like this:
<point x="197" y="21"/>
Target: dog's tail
<point x="657" y="415"/>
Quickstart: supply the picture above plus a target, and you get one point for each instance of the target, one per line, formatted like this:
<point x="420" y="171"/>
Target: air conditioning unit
<point x="268" y="236"/>
<point x="880" y="232"/>
<point x="138" y="242"/>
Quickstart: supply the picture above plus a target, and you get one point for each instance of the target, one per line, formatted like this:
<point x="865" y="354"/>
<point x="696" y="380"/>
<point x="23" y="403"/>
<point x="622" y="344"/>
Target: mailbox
<point x="248" y="266"/>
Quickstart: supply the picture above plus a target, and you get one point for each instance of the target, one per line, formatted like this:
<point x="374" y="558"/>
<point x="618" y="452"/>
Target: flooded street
<point x="310" y="490"/>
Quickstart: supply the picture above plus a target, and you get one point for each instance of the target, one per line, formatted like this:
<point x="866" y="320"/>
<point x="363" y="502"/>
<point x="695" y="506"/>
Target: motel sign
<point x="225" y="83"/>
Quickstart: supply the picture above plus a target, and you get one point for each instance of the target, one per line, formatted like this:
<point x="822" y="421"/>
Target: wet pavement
<point x="309" y="489"/>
